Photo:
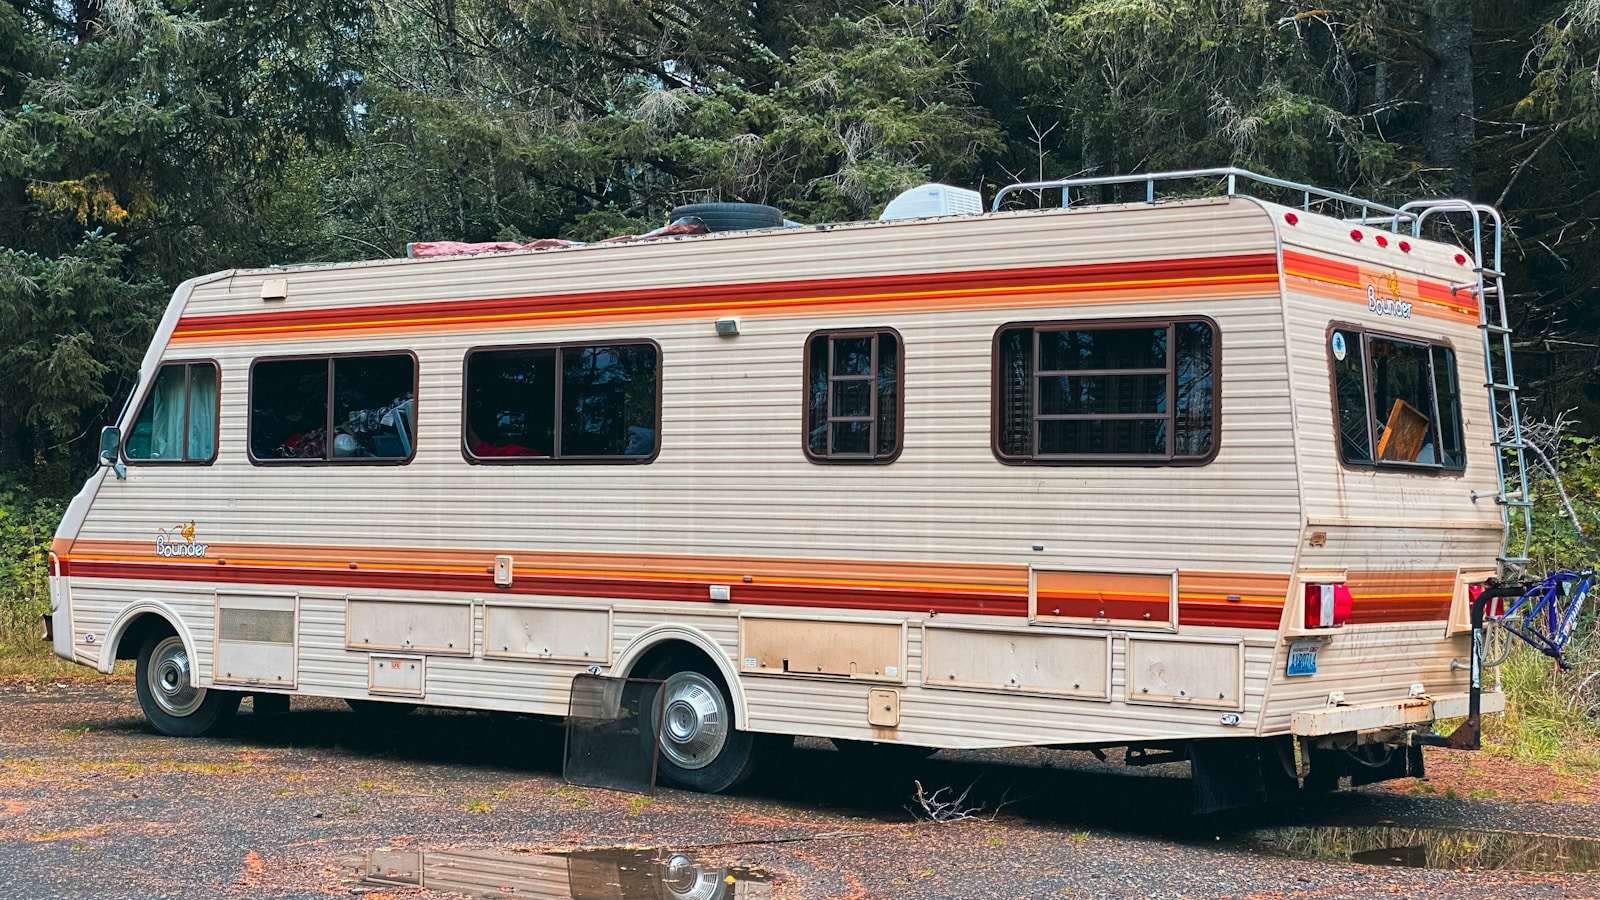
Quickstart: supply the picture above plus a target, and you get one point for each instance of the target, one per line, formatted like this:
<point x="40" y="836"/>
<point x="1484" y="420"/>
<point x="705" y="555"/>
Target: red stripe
<point x="826" y="596"/>
<point x="1229" y="615"/>
<point x="1372" y="610"/>
<point x="1097" y="608"/>
<point x="985" y="279"/>
<point x="1225" y="615"/>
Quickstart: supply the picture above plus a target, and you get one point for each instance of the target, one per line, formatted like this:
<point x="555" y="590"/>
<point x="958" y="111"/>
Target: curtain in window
<point x="202" y="412"/>
<point x="160" y="425"/>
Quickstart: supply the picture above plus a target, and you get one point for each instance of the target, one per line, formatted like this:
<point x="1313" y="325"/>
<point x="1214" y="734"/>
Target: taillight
<point x="1327" y="605"/>
<point x="1495" y="608"/>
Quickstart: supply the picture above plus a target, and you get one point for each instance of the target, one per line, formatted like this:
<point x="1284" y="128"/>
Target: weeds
<point x="27" y="524"/>
<point x="1552" y="717"/>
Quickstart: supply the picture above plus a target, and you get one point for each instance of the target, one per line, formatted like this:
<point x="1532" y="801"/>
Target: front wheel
<point x="164" y="681"/>
<point x="701" y="750"/>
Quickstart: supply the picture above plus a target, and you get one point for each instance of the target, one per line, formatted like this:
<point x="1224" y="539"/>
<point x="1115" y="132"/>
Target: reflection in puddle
<point x="1437" y="848"/>
<point x="582" y="875"/>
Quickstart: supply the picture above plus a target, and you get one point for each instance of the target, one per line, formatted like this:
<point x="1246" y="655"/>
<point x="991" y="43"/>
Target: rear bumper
<point x="1392" y="714"/>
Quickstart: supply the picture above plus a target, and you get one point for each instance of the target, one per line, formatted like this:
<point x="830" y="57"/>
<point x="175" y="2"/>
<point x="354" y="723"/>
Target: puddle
<point x="582" y="875"/>
<point x="1436" y="848"/>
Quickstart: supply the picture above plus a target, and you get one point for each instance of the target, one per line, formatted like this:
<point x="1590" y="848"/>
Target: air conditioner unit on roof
<point x="933" y="200"/>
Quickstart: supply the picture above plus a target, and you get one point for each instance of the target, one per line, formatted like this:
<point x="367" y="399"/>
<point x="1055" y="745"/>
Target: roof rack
<point x="1311" y="197"/>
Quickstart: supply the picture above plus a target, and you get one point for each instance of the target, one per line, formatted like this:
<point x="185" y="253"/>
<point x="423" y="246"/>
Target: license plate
<point x="1303" y="657"/>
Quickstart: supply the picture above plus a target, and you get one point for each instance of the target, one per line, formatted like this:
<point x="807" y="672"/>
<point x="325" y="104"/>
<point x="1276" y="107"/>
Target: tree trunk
<point x="1450" y="130"/>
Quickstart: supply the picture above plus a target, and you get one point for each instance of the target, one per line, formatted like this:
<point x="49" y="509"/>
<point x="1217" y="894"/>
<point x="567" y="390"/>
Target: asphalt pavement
<point x="320" y="802"/>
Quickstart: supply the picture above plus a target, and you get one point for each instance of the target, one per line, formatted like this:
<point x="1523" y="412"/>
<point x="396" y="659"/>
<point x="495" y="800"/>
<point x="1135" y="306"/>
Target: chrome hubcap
<point x="170" y="680"/>
<point x="695" y="721"/>
<point x="683" y="880"/>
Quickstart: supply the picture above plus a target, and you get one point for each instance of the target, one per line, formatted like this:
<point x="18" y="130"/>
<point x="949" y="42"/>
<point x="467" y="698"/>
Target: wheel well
<point x="682" y="652"/>
<point x="688" y="656"/>
<point x="139" y="631"/>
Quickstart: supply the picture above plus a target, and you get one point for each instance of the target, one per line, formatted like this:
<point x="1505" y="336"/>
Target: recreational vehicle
<point x="1211" y="478"/>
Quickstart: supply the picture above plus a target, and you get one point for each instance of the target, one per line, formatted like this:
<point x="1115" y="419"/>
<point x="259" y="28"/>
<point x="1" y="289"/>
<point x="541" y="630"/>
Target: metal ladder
<point x="1488" y="287"/>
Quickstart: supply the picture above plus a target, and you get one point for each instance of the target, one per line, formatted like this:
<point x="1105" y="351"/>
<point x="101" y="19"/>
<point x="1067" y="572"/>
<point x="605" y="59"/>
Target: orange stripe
<point x="913" y="586"/>
<point x="1347" y="281"/>
<point x="1151" y="280"/>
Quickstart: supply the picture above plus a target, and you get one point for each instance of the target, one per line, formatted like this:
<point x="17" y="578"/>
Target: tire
<point x="730" y="216"/>
<point x="163" y="681"/>
<point x="1497" y="642"/>
<point x="381" y="711"/>
<point x="886" y="755"/>
<point x="700" y="747"/>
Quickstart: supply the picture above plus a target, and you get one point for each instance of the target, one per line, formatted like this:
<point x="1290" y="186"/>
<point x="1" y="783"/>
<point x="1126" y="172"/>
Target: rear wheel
<point x="701" y="750"/>
<point x="164" y="681"/>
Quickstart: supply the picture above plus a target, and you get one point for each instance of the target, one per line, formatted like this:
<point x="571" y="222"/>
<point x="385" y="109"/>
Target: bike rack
<point x="1469" y="734"/>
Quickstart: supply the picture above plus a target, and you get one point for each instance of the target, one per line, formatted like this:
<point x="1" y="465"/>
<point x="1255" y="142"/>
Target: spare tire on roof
<point x="730" y="216"/>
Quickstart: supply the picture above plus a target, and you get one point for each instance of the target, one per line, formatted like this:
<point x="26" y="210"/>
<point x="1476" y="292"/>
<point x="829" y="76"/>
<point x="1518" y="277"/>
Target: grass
<point x="1552" y="717"/>
<point x="37" y="662"/>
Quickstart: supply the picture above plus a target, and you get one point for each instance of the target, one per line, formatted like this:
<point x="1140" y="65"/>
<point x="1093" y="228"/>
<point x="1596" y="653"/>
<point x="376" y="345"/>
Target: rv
<point x="1210" y="478"/>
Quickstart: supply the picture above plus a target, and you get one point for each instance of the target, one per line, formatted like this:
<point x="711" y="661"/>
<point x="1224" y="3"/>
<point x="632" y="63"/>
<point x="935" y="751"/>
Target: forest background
<point x="144" y="142"/>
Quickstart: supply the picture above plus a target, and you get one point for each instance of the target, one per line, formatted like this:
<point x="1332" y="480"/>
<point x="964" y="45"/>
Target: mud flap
<point x="1233" y="773"/>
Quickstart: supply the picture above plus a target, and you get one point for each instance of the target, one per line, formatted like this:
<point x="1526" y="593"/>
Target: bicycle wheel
<point x="1497" y="640"/>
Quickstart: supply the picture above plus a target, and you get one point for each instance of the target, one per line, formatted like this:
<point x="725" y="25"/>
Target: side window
<point x="578" y="402"/>
<point x="178" y="422"/>
<point x="333" y="409"/>
<point x="1135" y="392"/>
<point x="1399" y="401"/>
<point x="854" y="396"/>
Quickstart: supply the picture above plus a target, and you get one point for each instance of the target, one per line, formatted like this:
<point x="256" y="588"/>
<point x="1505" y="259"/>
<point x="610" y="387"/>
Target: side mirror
<point x="110" y="444"/>
<point x="110" y="449"/>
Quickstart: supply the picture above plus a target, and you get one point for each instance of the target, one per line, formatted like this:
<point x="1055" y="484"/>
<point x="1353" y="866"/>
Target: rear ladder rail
<point x="1494" y="324"/>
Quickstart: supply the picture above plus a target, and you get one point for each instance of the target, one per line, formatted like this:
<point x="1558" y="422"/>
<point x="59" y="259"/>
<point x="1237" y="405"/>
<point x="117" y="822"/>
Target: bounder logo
<point x="1391" y="305"/>
<point x="179" y="542"/>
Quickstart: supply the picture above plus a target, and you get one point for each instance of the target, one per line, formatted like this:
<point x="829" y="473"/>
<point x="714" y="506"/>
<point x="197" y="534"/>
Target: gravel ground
<point x="95" y="804"/>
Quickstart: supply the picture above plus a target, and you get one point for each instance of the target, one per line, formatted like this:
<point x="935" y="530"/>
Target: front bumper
<point x="61" y="617"/>
<point x="1391" y="714"/>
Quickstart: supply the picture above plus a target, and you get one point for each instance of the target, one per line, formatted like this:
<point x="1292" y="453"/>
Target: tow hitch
<point x="1469" y="734"/>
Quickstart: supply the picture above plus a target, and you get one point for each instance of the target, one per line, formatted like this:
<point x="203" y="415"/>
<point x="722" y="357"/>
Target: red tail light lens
<point x="1493" y="609"/>
<point x="1327" y="605"/>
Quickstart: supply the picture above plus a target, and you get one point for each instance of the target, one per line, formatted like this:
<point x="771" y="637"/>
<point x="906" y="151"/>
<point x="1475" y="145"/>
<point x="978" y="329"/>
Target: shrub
<point x="27" y="523"/>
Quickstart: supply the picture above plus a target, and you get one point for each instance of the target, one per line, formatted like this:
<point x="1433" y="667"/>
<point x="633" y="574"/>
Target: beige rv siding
<point x="1367" y="522"/>
<point x="732" y="485"/>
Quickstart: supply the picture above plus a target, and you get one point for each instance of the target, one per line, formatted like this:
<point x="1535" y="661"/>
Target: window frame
<point x="875" y="459"/>
<point x="1438" y="469"/>
<point x="552" y="460"/>
<point x="1109" y="459"/>
<point x="250" y="405"/>
<point x="188" y="381"/>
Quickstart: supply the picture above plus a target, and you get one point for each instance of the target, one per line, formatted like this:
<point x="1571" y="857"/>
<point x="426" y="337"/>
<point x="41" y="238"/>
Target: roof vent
<point x="933" y="200"/>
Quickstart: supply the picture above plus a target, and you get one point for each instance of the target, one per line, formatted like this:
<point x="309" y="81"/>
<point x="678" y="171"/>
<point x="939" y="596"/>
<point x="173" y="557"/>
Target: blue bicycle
<point x="1543" y="617"/>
